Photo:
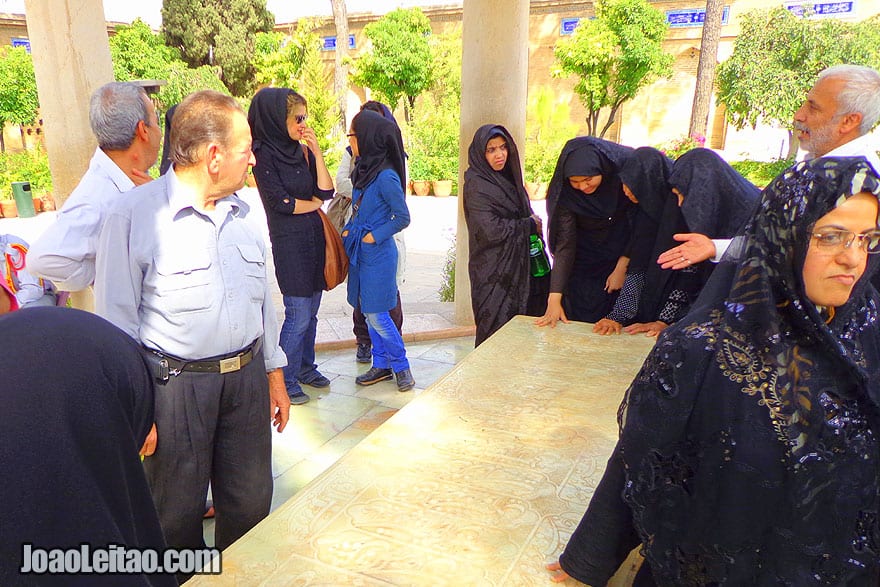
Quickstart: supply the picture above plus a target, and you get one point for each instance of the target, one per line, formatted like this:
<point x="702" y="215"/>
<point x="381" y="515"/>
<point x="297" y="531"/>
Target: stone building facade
<point x="661" y="112"/>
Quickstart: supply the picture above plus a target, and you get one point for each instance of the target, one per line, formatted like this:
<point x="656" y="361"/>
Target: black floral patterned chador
<point x="748" y="451"/>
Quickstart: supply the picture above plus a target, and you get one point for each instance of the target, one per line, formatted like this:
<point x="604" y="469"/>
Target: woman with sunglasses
<point x="293" y="182"/>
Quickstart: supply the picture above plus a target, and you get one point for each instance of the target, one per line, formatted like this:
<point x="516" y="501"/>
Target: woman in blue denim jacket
<point x="378" y="212"/>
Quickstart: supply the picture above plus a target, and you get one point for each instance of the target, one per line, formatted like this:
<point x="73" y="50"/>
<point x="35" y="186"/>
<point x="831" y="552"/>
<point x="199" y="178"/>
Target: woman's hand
<point x="368" y="238"/>
<point x="694" y="248"/>
<point x="616" y="278"/>
<point x="649" y="328"/>
<point x="607" y="326"/>
<point x="538" y="223"/>
<point x="558" y="575"/>
<point x="311" y="139"/>
<point x="554" y="312"/>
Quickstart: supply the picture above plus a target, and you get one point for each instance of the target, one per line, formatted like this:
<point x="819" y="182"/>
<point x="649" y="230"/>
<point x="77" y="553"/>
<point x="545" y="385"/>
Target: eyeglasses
<point x="301" y="118"/>
<point x="835" y="241"/>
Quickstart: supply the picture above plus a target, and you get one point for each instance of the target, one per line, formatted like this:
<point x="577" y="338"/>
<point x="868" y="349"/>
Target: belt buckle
<point x="230" y="365"/>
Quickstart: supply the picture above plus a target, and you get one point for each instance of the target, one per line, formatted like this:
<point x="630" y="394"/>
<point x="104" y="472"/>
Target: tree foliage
<point x="614" y="56"/>
<point x="277" y="60"/>
<point x="312" y="83"/>
<point x="18" y="89"/>
<point x="397" y="61"/>
<point x="776" y="59"/>
<point x="139" y="53"/>
<point x="218" y="32"/>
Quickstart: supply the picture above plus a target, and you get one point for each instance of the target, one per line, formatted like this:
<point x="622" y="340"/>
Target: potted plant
<point x="418" y="170"/>
<point x="8" y="208"/>
<point x="441" y="170"/>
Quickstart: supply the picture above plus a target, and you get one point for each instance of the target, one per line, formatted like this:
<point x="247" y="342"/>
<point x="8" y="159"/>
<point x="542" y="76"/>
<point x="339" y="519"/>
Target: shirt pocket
<point x="183" y="283"/>
<point x="254" y="270"/>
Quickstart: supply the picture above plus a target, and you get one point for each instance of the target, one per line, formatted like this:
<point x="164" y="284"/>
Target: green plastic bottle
<point x="538" y="262"/>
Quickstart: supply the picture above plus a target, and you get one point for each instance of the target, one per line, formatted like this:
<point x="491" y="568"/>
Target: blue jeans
<point x="298" y="339"/>
<point x="388" y="348"/>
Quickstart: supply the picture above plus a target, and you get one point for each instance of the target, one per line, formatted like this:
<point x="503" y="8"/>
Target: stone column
<point x="71" y="59"/>
<point x="494" y="88"/>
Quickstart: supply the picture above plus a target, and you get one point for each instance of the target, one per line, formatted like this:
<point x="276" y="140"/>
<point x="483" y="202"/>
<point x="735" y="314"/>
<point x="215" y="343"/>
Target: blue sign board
<point x="19" y="42"/>
<point x="821" y="9"/>
<point x="330" y="43"/>
<point x="692" y="17"/>
<point x="568" y="25"/>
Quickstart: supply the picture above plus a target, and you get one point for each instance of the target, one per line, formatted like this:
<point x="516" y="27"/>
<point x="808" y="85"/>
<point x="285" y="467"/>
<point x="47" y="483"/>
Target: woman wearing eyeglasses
<point x="293" y="182"/>
<point x="748" y="450"/>
<point x="378" y="212"/>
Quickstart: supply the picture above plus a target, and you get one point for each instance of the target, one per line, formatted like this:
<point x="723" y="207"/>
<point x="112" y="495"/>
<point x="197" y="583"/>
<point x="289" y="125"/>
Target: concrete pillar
<point x="71" y="59"/>
<point x="494" y="89"/>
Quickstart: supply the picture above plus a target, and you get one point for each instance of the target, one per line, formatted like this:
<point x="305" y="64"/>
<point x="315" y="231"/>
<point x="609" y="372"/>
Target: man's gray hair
<point x="114" y="111"/>
<point x="860" y="93"/>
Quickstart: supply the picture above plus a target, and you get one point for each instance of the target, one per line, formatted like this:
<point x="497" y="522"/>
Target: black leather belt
<point x="223" y="364"/>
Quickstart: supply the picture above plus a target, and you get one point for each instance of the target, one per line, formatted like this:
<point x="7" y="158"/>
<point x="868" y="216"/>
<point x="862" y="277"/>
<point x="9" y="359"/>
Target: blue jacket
<point x="372" y="266"/>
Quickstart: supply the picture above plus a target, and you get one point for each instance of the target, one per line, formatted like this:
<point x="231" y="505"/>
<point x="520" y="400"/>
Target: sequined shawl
<point x="749" y="436"/>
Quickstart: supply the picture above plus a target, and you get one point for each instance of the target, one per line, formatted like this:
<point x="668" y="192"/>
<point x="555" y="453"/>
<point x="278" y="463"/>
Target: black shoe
<point x="374" y="375"/>
<point x="364" y="353"/>
<point x="317" y="381"/>
<point x="405" y="380"/>
<point x="299" y="398"/>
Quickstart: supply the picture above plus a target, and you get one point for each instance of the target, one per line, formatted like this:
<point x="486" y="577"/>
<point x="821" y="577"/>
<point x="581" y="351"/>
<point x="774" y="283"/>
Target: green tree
<point x="277" y="59"/>
<point x="18" y="90"/>
<point x="397" y="61"/>
<point x="776" y="59"/>
<point x="614" y="56"/>
<point x="218" y="32"/>
<point x="312" y="83"/>
<point x="139" y="53"/>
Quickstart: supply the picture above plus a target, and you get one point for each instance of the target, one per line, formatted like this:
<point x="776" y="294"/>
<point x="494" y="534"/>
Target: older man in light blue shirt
<point x="125" y="123"/>
<point x="182" y="268"/>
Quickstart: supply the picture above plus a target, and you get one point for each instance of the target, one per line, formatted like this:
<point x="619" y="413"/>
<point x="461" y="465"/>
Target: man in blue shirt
<point x="182" y="269"/>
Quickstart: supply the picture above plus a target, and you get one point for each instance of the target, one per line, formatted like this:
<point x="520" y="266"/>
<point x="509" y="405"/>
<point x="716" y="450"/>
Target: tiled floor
<point x="339" y="417"/>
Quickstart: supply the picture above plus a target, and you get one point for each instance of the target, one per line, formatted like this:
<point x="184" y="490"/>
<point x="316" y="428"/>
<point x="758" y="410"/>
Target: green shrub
<point x="30" y="165"/>
<point x="447" y="286"/>
<point x="548" y="127"/>
<point x="678" y="147"/>
<point x="761" y="173"/>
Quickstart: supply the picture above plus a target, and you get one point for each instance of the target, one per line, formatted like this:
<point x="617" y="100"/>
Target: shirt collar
<point x="122" y="182"/>
<point x="182" y="196"/>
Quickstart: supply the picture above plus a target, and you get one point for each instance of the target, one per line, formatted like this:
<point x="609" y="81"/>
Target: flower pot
<point x="408" y="191"/>
<point x="421" y="187"/>
<point x="8" y="208"/>
<point x="48" y="203"/>
<point x="442" y="187"/>
<point x="38" y="205"/>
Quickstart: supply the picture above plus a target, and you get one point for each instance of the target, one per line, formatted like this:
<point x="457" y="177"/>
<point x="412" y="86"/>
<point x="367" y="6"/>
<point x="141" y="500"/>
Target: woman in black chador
<point x="590" y="226"/>
<point x="748" y="451"/>
<point x="500" y="222"/>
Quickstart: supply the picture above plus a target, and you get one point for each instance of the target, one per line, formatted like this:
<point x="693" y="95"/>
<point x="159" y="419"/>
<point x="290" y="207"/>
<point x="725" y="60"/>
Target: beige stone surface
<point x="479" y="480"/>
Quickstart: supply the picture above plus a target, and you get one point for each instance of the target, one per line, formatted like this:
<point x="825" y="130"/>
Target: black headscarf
<point x="497" y="212"/>
<point x="646" y="173"/>
<point x="380" y="146"/>
<point x="267" y="117"/>
<point x="717" y="199"/>
<point x="749" y="438"/>
<point x="509" y="179"/>
<point x="76" y="403"/>
<point x="165" y="165"/>
<point x="586" y="156"/>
